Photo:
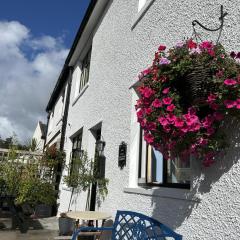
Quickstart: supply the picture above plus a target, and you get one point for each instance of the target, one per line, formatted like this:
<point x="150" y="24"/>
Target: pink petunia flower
<point x="146" y="71"/>
<point x="229" y="103"/>
<point x="171" y="118"/>
<point x="167" y="100"/>
<point x="143" y="122"/>
<point x="211" y="98"/>
<point x="230" y="82"/>
<point x="185" y="129"/>
<point x="208" y="121"/>
<point x="146" y="92"/>
<point x="161" y="48"/>
<point x="195" y="127"/>
<point x="157" y="103"/>
<point x="191" y="44"/>
<point x="151" y="126"/>
<point x="238" y="103"/>
<point x="211" y="52"/>
<point x="163" y="121"/>
<point x="148" y="111"/>
<point x="166" y="128"/>
<point x="166" y="90"/>
<point x="148" y="138"/>
<point x="178" y="123"/>
<point x="191" y="119"/>
<point x="171" y="107"/>
<point x="140" y="114"/>
<point x="206" y="45"/>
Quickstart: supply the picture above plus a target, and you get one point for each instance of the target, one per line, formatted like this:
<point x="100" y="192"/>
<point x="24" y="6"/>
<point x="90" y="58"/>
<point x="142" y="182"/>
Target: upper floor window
<point x="155" y="170"/>
<point x="141" y="4"/>
<point x="85" y="70"/>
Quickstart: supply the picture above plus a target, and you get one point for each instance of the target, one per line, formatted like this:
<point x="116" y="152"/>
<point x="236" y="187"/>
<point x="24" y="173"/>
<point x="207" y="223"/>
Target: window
<point x="76" y="153"/>
<point x="85" y="70"/>
<point x="141" y="4"/>
<point x="154" y="170"/>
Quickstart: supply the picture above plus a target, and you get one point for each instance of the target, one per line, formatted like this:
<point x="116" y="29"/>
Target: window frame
<point x="144" y="182"/>
<point x="85" y="70"/>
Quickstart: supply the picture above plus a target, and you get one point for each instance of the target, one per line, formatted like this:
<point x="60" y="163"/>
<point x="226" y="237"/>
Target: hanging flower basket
<point x="185" y="96"/>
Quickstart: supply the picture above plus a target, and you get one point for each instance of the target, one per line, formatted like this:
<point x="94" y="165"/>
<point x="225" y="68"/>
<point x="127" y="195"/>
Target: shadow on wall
<point x="174" y="212"/>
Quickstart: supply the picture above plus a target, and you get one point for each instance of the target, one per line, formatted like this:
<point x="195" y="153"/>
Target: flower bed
<point x="185" y="96"/>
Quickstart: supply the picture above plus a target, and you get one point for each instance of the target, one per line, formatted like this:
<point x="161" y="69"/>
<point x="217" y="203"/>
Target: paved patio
<point x="39" y="229"/>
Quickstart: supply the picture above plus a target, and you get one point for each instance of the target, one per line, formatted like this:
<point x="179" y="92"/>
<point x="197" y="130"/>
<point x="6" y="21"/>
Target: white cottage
<point x="39" y="136"/>
<point x="115" y="41"/>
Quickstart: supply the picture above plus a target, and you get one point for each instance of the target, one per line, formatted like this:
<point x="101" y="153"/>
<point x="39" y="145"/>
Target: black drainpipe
<point x="65" y="115"/>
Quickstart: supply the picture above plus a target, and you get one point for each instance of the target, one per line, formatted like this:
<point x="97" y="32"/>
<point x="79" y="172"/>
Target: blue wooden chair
<point x="134" y="226"/>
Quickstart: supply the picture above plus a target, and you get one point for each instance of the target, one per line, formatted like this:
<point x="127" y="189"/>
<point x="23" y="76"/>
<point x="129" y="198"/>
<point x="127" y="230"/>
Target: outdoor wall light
<point x="100" y="145"/>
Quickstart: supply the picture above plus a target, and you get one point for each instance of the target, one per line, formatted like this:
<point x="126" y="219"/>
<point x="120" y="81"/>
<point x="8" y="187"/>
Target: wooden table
<point x="88" y="215"/>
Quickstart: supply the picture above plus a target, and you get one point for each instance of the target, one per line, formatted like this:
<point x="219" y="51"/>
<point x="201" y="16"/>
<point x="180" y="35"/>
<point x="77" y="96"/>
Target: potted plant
<point x="66" y="225"/>
<point x="185" y="96"/>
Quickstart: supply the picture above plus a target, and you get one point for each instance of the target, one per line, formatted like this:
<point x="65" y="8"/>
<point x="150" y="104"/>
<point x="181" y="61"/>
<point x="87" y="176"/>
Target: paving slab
<point x="39" y="229"/>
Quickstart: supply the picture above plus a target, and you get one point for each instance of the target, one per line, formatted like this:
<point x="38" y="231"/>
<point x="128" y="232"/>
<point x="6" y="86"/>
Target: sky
<point x="35" y="38"/>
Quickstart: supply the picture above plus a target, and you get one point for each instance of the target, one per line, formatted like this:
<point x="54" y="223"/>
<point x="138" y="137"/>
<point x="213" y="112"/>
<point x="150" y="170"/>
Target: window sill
<point x="80" y="94"/>
<point x="179" y="194"/>
<point x="140" y="14"/>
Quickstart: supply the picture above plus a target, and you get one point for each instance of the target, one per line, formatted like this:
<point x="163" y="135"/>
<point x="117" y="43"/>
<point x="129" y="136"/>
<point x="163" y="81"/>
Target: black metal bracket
<point x="220" y="28"/>
<point x="221" y="19"/>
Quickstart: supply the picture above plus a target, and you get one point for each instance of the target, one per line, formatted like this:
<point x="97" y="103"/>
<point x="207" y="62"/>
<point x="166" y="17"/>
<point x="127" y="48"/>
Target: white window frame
<point x="134" y="179"/>
<point x="141" y="4"/>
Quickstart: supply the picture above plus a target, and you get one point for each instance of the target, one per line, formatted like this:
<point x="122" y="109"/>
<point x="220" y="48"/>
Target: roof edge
<point x="64" y="73"/>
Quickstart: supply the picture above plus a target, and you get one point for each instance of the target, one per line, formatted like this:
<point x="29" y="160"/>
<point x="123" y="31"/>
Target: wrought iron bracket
<point x="221" y="19"/>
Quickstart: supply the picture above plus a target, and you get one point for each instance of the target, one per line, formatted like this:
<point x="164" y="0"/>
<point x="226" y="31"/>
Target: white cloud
<point x="27" y="77"/>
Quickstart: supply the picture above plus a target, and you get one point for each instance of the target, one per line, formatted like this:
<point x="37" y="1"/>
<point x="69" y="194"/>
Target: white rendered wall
<point x="55" y="121"/>
<point x="211" y="209"/>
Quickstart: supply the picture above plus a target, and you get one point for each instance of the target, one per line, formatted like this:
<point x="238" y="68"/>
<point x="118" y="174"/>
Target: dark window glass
<point x="76" y="154"/>
<point x="85" y="70"/>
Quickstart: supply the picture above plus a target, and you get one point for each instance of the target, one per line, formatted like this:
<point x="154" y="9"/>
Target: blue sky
<point x="35" y="38"/>
<point x="46" y="17"/>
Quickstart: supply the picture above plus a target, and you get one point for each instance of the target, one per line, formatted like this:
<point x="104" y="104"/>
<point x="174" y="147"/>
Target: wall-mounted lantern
<point x="101" y="161"/>
<point x="100" y="145"/>
<point x="122" y="155"/>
